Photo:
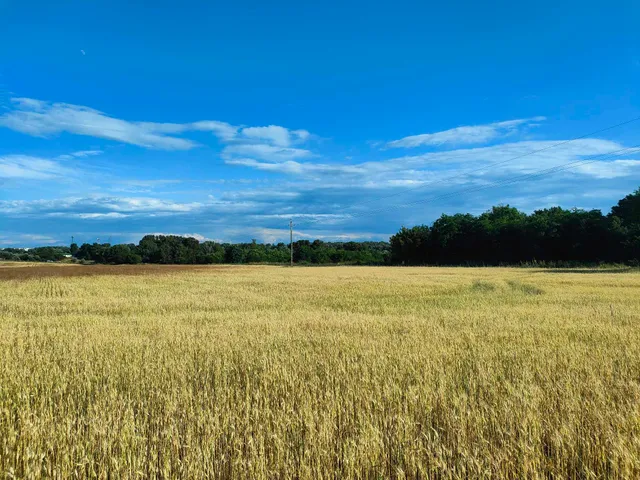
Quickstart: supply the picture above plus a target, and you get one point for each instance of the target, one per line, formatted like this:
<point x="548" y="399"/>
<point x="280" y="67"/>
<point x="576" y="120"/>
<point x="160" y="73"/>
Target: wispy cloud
<point x="614" y="169"/>
<point x="224" y="131"/>
<point x="89" y="207"/>
<point x="265" y="152"/>
<point x="514" y="158"/>
<point x="304" y="216"/>
<point x="275" y="135"/>
<point x="91" y="216"/>
<point x="32" y="168"/>
<point x="42" y="119"/>
<point x="466" y="135"/>
<point x="81" y="154"/>
<point x="116" y="207"/>
<point x="297" y="168"/>
<point x="327" y="196"/>
<point x="87" y="153"/>
<point x="19" y="239"/>
<point x="197" y="236"/>
<point x="142" y="186"/>
<point x="275" y="235"/>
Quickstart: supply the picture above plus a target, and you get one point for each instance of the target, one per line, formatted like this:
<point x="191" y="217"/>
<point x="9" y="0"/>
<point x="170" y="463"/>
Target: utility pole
<point x="72" y="239"/>
<point x="291" y="239"/>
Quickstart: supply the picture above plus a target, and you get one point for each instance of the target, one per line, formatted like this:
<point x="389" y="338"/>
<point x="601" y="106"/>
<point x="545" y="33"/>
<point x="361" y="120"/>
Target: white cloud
<point x="438" y="171"/>
<point x="300" y="135"/>
<point x="142" y="186"/>
<point x="516" y="156"/>
<point x="31" y="168"/>
<point x="265" y="152"/>
<point x="302" y="169"/>
<point x="29" y="104"/>
<point x="80" y="154"/>
<point x="92" y="216"/>
<point x="275" y="235"/>
<point x="342" y="237"/>
<point x="275" y="135"/>
<point x="255" y="194"/>
<point x="328" y="191"/>
<point x="43" y="119"/>
<point x="307" y="216"/>
<point x="466" y="135"/>
<point x="222" y="130"/>
<point x="89" y="207"/>
<point x="197" y="236"/>
<point x="272" y="134"/>
<point x="87" y="153"/>
<point x="25" y="238"/>
<point x="268" y="235"/>
<point x="143" y="204"/>
<point x="112" y="207"/>
<point x="614" y="169"/>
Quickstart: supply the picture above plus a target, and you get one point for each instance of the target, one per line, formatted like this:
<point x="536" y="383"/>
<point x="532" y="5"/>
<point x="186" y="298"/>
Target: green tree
<point x="121" y="254"/>
<point x="410" y="246"/>
<point x="625" y="218"/>
<point x="628" y="209"/>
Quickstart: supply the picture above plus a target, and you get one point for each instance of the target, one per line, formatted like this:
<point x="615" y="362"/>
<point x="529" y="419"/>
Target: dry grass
<point x="270" y="372"/>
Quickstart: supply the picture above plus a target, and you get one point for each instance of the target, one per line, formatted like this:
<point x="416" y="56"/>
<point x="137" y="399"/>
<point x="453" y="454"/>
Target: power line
<point x="551" y="170"/>
<point x="519" y="178"/>
<point x="501" y="162"/>
<point x="406" y="190"/>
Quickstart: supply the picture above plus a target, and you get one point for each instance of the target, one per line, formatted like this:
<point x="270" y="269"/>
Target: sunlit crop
<point x="340" y="372"/>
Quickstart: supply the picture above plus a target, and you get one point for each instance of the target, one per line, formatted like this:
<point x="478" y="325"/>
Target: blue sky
<point x="224" y="120"/>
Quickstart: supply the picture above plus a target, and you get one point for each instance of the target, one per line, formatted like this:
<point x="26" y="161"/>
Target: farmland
<point x="336" y="372"/>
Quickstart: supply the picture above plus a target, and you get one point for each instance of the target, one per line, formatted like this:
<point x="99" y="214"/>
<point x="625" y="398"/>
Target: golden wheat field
<point x="315" y="373"/>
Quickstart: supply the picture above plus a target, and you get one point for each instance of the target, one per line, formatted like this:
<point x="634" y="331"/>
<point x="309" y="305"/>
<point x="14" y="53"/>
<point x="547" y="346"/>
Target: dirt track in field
<point x="26" y="272"/>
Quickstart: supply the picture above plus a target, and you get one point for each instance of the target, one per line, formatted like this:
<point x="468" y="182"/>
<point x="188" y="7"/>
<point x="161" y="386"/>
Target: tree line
<point x="173" y="249"/>
<point x="38" y="254"/>
<point x="503" y="235"/>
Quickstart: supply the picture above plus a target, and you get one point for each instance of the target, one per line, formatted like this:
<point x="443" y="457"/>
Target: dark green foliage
<point x="169" y="249"/>
<point x="628" y="209"/>
<point x="410" y="245"/>
<point x="211" y="252"/>
<point x="38" y="254"/>
<point x="625" y="217"/>
<point x="351" y="253"/>
<point x="119" y="254"/>
<point x="234" y="254"/>
<point x="504" y="236"/>
<point x="95" y="252"/>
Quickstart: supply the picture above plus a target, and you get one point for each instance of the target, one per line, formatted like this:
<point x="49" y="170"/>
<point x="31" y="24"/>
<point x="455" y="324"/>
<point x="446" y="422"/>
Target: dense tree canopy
<point x="504" y="235"/>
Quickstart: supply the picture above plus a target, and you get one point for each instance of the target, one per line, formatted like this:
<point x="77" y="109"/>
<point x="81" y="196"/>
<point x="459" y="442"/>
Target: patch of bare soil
<point x="27" y="272"/>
